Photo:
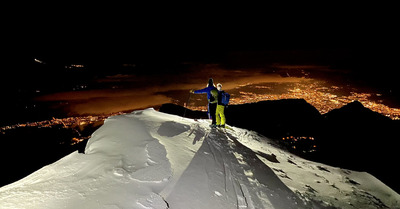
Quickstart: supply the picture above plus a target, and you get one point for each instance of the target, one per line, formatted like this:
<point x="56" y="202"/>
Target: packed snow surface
<point x="149" y="159"/>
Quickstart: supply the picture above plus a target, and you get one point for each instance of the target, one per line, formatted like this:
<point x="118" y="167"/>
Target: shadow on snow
<point x="224" y="172"/>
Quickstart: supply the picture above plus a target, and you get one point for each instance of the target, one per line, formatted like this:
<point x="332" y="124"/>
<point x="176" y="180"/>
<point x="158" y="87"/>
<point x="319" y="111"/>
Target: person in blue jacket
<point x="212" y="96"/>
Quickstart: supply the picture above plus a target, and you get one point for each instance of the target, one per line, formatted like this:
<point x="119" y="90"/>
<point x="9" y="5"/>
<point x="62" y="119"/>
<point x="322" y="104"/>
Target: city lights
<point x="323" y="98"/>
<point x="70" y="122"/>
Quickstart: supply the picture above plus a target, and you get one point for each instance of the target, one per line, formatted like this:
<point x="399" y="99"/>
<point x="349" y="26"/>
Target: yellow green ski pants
<point x="220" y="116"/>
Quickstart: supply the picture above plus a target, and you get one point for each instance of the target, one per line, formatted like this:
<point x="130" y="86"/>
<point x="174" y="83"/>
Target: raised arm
<point x="201" y="91"/>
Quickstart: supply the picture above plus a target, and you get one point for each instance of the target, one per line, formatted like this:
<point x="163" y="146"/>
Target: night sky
<point x="351" y="37"/>
<point x="202" y="33"/>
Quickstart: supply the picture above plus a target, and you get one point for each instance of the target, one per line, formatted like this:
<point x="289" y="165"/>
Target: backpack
<point x="225" y="98"/>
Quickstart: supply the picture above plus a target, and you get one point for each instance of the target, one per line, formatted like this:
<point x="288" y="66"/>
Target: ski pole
<point x="186" y="104"/>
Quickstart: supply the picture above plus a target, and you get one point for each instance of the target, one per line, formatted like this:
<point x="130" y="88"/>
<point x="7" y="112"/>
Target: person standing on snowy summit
<point x="220" y="115"/>
<point x="212" y="96"/>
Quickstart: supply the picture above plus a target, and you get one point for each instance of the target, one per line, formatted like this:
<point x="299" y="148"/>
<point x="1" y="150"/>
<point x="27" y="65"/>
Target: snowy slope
<point x="149" y="159"/>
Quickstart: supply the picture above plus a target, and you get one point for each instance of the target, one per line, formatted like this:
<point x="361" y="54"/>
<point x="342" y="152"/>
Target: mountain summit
<point x="149" y="159"/>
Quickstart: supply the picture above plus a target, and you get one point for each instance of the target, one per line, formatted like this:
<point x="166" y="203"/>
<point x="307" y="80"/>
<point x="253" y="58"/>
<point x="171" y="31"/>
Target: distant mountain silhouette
<point x="355" y="111"/>
<point x="275" y="118"/>
<point x="358" y="138"/>
<point x="352" y="136"/>
<point x="354" y="127"/>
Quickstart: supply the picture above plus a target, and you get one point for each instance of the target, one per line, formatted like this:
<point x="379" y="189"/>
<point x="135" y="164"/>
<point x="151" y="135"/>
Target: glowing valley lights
<point x="75" y="66"/>
<point x="321" y="97"/>
<point x="70" y="122"/>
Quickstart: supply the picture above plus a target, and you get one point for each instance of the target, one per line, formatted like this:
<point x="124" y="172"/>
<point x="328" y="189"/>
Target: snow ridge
<point x="149" y="159"/>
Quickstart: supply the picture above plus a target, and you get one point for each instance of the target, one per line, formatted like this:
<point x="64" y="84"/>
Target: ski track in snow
<point x="149" y="159"/>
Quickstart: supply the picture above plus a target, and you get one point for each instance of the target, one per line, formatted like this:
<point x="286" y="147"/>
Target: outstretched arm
<point x="201" y="91"/>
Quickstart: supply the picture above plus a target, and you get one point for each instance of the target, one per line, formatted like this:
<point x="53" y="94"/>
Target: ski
<point x="224" y="129"/>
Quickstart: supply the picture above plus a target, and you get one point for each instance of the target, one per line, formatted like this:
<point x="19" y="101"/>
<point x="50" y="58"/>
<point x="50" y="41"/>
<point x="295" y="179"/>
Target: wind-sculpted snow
<point x="123" y="167"/>
<point x="149" y="159"/>
<point x="226" y="174"/>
